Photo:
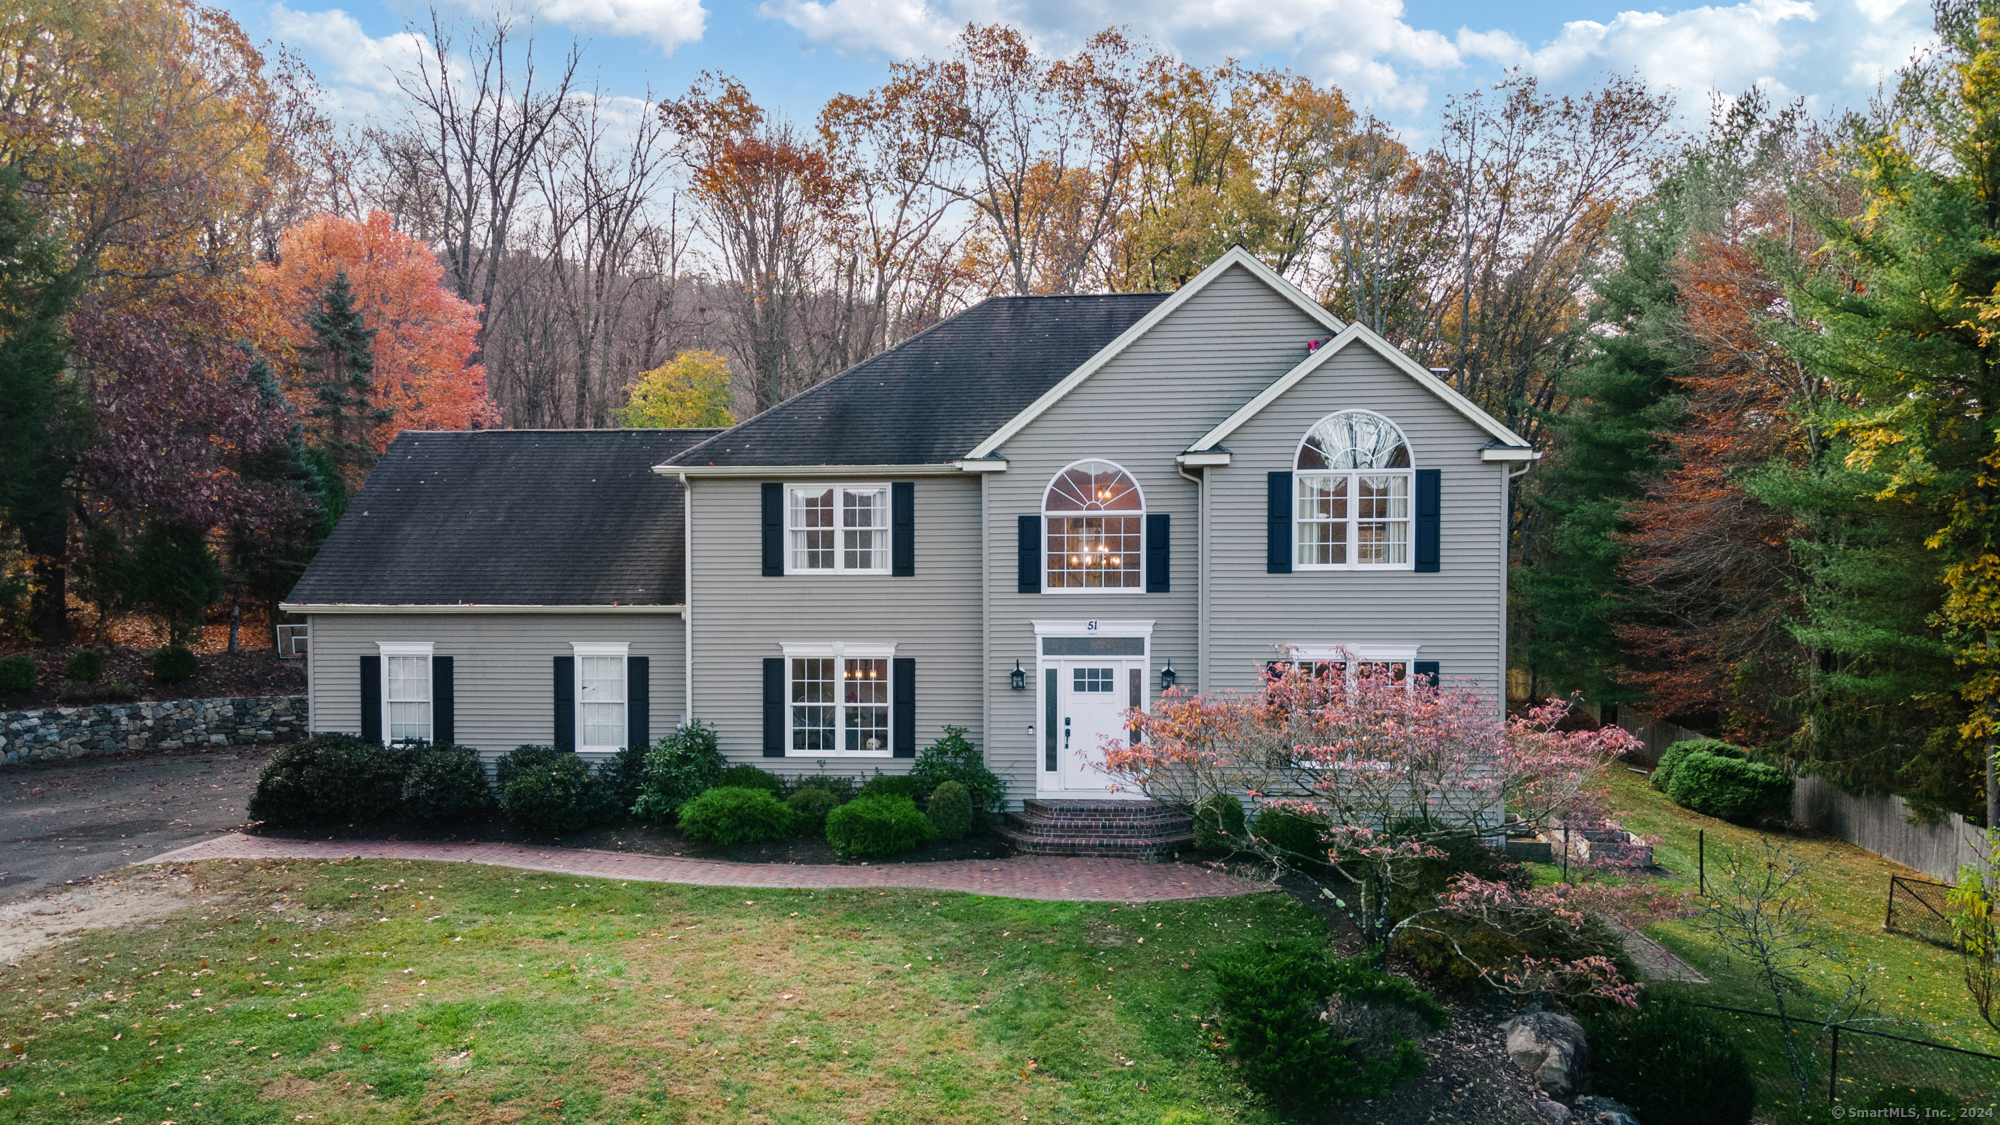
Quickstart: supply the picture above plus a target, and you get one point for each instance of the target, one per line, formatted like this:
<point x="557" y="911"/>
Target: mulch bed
<point x="638" y="838"/>
<point x="252" y="672"/>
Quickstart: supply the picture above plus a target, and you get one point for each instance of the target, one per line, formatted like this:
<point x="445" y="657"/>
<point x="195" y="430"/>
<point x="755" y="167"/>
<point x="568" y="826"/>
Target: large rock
<point x="1603" y="1111"/>
<point x="1551" y="1048"/>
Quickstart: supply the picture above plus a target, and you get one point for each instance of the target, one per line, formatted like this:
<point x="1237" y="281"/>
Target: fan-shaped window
<point x="1095" y="521"/>
<point x="1352" y="486"/>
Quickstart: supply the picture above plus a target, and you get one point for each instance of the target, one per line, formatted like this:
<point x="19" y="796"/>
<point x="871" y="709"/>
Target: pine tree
<point x="267" y="561"/>
<point x="341" y="367"/>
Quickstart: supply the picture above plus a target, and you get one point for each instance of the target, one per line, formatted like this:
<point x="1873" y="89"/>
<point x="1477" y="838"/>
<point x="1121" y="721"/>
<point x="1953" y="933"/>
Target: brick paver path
<point x="1043" y="877"/>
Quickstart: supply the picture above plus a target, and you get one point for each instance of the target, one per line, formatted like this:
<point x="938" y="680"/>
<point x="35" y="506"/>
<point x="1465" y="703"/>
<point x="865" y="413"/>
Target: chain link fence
<point x="1916" y="908"/>
<point x="1850" y="1065"/>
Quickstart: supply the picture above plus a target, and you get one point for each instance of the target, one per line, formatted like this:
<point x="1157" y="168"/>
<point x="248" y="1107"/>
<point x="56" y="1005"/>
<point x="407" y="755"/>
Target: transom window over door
<point x="1353" y="483"/>
<point x="838" y="527"/>
<point x="1095" y="518"/>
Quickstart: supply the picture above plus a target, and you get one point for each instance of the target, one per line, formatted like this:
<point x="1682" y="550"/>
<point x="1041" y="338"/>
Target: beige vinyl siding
<point x="1455" y="614"/>
<point x="740" y="617"/>
<point x="503" y="678"/>
<point x="1153" y="400"/>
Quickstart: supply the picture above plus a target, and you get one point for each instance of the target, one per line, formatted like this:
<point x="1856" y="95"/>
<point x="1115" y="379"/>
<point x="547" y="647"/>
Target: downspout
<point x="687" y="594"/>
<point x="986" y="654"/>
<point x="1200" y="574"/>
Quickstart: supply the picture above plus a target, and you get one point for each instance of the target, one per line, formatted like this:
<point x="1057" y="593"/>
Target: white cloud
<point x="1690" y="50"/>
<point x="347" y="55"/>
<point x="668" y="23"/>
<point x="897" y="28"/>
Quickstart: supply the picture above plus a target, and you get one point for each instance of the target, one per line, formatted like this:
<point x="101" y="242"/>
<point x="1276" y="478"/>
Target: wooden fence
<point x="1882" y="825"/>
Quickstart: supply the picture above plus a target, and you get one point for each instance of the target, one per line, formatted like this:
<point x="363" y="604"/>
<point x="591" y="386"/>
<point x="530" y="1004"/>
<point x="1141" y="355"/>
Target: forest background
<point x="1759" y="356"/>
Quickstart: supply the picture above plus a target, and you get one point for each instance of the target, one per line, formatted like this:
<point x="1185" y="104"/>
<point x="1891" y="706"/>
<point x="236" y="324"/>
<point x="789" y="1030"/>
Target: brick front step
<point x="1122" y="829"/>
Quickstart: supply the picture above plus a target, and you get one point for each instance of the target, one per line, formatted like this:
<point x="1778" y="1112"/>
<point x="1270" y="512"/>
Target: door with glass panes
<point x="1087" y="685"/>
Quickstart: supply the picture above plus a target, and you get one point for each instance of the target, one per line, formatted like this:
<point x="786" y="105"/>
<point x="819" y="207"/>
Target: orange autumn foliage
<point x="424" y="333"/>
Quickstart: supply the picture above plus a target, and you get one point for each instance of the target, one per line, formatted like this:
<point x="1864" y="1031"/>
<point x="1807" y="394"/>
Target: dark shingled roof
<point x="510" y="517"/>
<point x="931" y="399"/>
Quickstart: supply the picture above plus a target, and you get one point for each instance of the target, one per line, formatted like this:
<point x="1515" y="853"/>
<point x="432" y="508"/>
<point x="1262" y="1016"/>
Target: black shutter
<point x="902" y="528"/>
<point x="444" y="725"/>
<point x="1429" y="503"/>
<point x="1159" y="554"/>
<point x="774" y="530"/>
<point x="1278" y="523"/>
<point x="1028" y="555"/>
<point x="638" y="703"/>
<point x="903" y="709"/>
<point x="774" y="707"/>
<point x="371" y="699"/>
<point x="565" y="703"/>
<point x="1427" y="672"/>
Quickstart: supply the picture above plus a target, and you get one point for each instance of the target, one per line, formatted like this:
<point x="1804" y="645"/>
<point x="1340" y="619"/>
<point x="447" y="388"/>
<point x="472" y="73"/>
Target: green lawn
<point x="384" y="991"/>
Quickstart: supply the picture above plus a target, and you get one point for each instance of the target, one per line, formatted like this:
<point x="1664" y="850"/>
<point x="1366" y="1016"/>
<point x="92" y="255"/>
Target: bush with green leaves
<point x="750" y="777"/>
<point x="86" y="666"/>
<point x="179" y="577"/>
<point x="1272" y="1000"/>
<point x="809" y="806"/>
<point x="1674" y="755"/>
<point x="549" y="791"/>
<point x="1299" y="839"/>
<point x="622" y="778"/>
<point x="328" y="779"/>
<point x="869" y="827"/>
<point x="1461" y="853"/>
<point x="1449" y="951"/>
<point x="1218" y="820"/>
<point x="172" y="665"/>
<point x="953" y="757"/>
<point x="17" y="673"/>
<point x="1732" y="789"/>
<point x="950" y="811"/>
<point x="892" y="785"/>
<point x="729" y="815"/>
<point x="1671" y="1062"/>
<point x="679" y="766"/>
<point x="444" y="782"/>
<point x="841" y="787"/>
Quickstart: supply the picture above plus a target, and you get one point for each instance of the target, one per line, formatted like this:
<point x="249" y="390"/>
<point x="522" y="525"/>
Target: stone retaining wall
<point x="55" y="733"/>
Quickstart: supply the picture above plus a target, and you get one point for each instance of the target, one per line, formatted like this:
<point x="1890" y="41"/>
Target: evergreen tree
<point x="267" y="561"/>
<point x="181" y="578"/>
<point x="342" y="366"/>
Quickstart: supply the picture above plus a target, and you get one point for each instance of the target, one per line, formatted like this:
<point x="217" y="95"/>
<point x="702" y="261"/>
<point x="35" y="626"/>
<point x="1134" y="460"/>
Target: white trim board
<point x="800" y="472"/>
<point x="305" y="607"/>
<point x="1093" y="627"/>
<point x="1235" y="256"/>
<point x="838" y="650"/>
<point x="1351" y="334"/>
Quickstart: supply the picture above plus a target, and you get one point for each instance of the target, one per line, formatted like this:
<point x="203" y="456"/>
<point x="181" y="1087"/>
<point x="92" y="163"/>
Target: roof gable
<point x="1235" y="258"/>
<point x="1359" y="334"/>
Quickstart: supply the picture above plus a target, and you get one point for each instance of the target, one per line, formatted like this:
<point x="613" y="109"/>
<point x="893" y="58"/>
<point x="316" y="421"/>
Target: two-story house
<point x="1021" y="522"/>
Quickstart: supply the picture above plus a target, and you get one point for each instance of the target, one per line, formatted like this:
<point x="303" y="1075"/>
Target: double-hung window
<point x="838" y="699"/>
<point x="406" y="691"/>
<point x="600" y="695"/>
<point x="1345" y="666"/>
<point x="1353" y="483"/>
<point x="837" y="527"/>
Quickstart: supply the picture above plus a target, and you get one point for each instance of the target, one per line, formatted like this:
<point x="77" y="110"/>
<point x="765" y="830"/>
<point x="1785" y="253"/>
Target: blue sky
<point x="1401" y="59"/>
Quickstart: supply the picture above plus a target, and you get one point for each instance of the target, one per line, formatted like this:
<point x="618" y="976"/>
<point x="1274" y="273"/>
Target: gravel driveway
<point x="63" y="821"/>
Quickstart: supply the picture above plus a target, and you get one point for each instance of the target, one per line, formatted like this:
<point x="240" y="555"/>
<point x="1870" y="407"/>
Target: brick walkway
<point x="1042" y="877"/>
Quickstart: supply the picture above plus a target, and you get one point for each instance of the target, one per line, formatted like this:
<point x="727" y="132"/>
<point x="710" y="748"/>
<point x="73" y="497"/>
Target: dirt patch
<point x="134" y="899"/>
<point x="252" y="672"/>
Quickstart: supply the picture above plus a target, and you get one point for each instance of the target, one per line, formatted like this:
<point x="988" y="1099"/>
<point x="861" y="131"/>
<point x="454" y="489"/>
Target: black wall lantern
<point x="1017" y="679"/>
<point x="1167" y="677"/>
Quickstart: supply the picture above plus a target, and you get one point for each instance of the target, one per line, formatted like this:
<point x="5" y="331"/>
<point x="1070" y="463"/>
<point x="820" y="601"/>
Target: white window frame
<point x="622" y="650"/>
<point x="427" y="650"/>
<point x="794" y="552"/>
<point x="842" y="652"/>
<point x="1048" y="586"/>
<point x="1351" y="524"/>
<point x="1354" y="656"/>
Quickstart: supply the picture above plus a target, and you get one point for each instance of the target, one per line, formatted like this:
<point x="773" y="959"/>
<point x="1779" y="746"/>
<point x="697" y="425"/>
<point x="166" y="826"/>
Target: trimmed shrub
<point x="750" y="777"/>
<point x="328" y="779"/>
<point x="730" y="815"/>
<point x="1430" y="955"/>
<point x="1299" y="838"/>
<point x="620" y="779"/>
<point x="872" y="826"/>
<point x="17" y="673"/>
<point x="809" y="807"/>
<point x="841" y="787"/>
<point x="1672" y="1063"/>
<point x="953" y="757"/>
<point x="1273" y="999"/>
<point x="172" y="665"/>
<point x="444" y="782"/>
<point x="548" y="790"/>
<point x="1218" y="821"/>
<point x="1673" y="755"/>
<point x="888" y="785"/>
<point x="1731" y="788"/>
<point x="86" y="665"/>
<point x="679" y="766"/>
<point x="950" y="811"/>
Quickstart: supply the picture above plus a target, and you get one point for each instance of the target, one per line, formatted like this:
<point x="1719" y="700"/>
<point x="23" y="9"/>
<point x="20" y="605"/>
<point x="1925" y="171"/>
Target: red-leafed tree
<point x="424" y="335"/>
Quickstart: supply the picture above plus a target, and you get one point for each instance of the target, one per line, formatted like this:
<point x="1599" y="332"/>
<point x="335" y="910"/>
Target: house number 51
<point x="1091" y="626"/>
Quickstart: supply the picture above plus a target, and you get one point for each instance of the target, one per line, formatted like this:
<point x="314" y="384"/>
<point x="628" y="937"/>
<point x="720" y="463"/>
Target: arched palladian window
<point x="1353" y="482"/>
<point x="1095" y="521"/>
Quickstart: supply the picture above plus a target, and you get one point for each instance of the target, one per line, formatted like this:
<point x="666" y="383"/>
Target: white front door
<point x="1084" y="704"/>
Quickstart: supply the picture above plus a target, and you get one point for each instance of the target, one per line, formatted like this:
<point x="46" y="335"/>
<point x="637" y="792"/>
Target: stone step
<point x="1112" y="829"/>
